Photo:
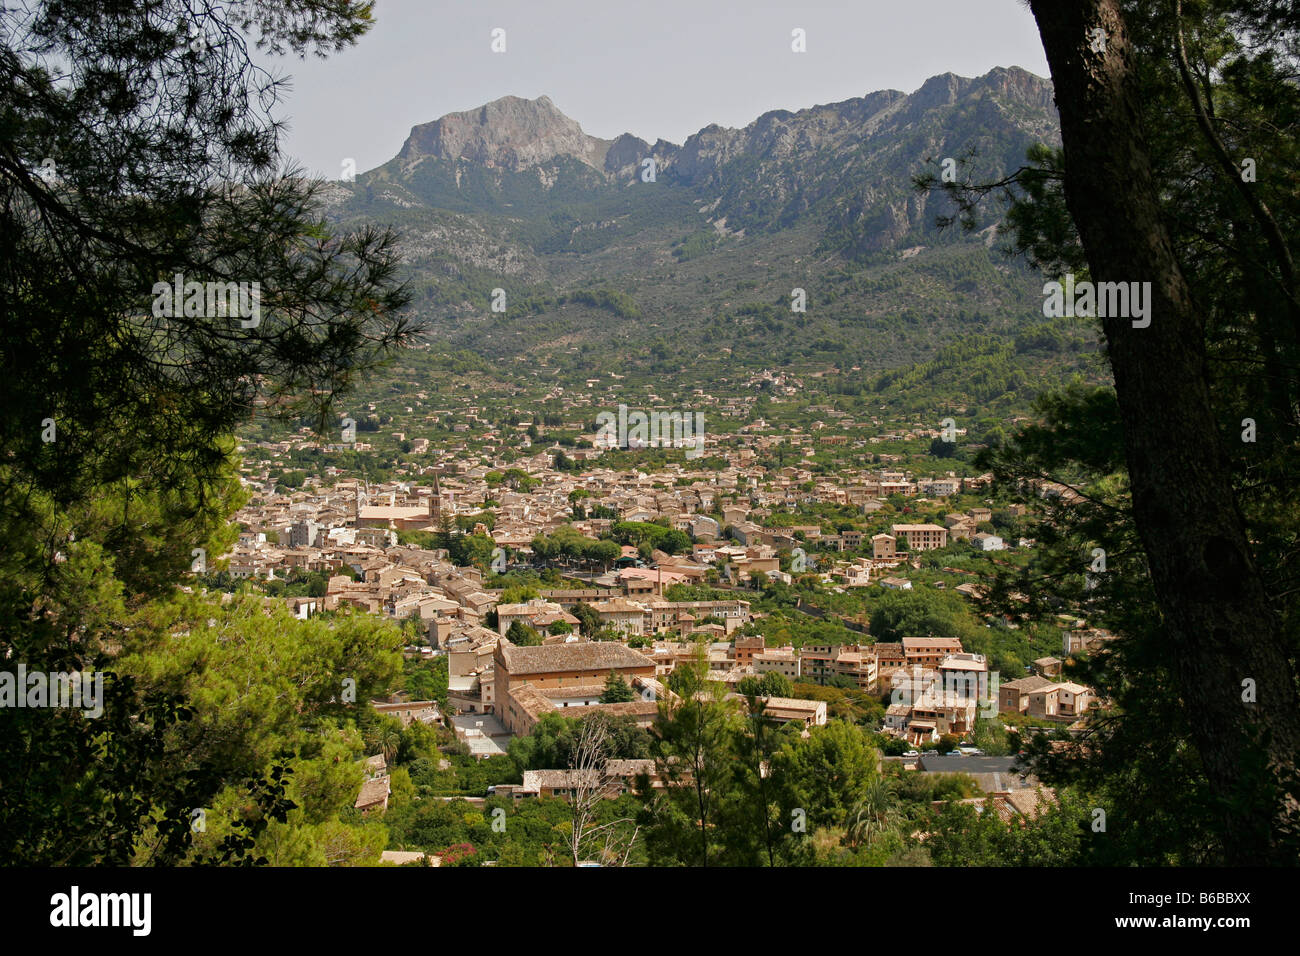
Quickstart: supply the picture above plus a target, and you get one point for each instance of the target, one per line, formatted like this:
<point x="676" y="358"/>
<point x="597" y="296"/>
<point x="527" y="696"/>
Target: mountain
<point x="692" y="270"/>
<point x="511" y="133"/>
<point x="852" y="161"/>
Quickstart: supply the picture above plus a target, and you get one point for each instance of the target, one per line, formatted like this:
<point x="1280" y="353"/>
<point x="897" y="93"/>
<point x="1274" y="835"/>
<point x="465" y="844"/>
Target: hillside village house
<point x="785" y="710"/>
<point x="531" y="681"/>
<point x="855" y="575"/>
<point x="929" y="651"/>
<point x="408" y="711"/>
<point x="538" y="614"/>
<point x="964" y="675"/>
<point x="1013" y="696"/>
<point x="1048" y="666"/>
<point x="623" y="616"/>
<point x="471" y="653"/>
<point x="375" y="788"/>
<point x="1038" y="696"/>
<point x="889" y="655"/>
<point x="678" y="615"/>
<point x="960" y="527"/>
<point x="820" y="663"/>
<point x="615" y="778"/>
<point x="746" y="648"/>
<point x="355" y="525"/>
<point x="1073" y="699"/>
<point x="883" y="546"/>
<point x="781" y="660"/>
<point x="1082" y="640"/>
<point x="1045" y="702"/>
<point x="921" y="537"/>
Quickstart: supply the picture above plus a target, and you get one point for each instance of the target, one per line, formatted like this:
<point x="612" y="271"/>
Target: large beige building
<point x="819" y="663"/>
<point x="922" y="537"/>
<point x="531" y="681"/>
<point x="929" y="651"/>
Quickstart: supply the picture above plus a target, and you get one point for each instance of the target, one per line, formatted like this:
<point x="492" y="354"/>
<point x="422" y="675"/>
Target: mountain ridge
<point x="517" y="133"/>
<point x="690" y="276"/>
<point x="849" y="163"/>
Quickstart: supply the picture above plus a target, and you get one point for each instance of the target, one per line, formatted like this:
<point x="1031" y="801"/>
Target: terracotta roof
<point x="586" y="655"/>
<point x="1030" y="802"/>
<point x="571" y="691"/>
<point x="531" y="700"/>
<point x="632" y="708"/>
<point x="373" y="792"/>
<point x="932" y="642"/>
<point x="1028" y="684"/>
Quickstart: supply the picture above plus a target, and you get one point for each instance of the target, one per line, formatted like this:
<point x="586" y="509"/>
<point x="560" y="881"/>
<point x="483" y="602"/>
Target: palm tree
<point x="389" y="742"/>
<point x="875" y="814"/>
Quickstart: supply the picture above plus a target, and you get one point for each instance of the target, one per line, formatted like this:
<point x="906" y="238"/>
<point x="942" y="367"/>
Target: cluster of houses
<point x="935" y="687"/>
<point x="498" y="690"/>
<point x="348" y="531"/>
<point x="518" y="685"/>
<point x="318" y="526"/>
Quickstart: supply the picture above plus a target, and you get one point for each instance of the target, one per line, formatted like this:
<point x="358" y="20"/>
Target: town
<point x="540" y="588"/>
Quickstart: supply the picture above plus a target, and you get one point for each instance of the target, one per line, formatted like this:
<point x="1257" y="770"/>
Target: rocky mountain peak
<point x="510" y="132"/>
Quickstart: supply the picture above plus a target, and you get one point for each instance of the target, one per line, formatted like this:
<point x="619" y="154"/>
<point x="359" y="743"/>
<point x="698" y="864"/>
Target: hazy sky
<point x="656" y="69"/>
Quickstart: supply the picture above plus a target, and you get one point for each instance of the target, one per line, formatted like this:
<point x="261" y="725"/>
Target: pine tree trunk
<point x="1219" y="629"/>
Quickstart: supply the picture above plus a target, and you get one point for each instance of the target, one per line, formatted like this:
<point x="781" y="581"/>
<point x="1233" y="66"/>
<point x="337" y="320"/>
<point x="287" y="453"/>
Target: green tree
<point x="617" y="690"/>
<point x="1178" y="120"/>
<point x="588" y="619"/>
<point x="750" y="811"/>
<point x="1180" y="95"/>
<point x="770" y="684"/>
<point x="604" y="553"/>
<point x="942" y="449"/>
<point x="990" y="736"/>
<point x="828" y="774"/>
<point x="523" y="635"/>
<point x="921" y="613"/>
<point x="875" y="815"/>
<point x="693" y="737"/>
<point x="776" y="685"/>
<point x="517" y="594"/>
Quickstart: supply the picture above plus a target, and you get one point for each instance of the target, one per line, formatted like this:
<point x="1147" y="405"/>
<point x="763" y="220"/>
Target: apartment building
<point x="533" y="681"/>
<point x="781" y="660"/>
<point x="819" y="663"/>
<point x="921" y="537"/>
<point x="929" y="651"/>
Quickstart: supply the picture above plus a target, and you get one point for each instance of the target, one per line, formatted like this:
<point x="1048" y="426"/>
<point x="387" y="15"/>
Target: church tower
<point x="435" y="501"/>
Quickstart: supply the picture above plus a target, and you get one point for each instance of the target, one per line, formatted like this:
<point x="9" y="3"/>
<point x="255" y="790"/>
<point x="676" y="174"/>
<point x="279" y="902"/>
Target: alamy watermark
<point x="212" y="300"/>
<point x="129" y="910"/>
<point x="75" y="689"/>
<point x="922" y="688"/>
<point x="653" y="429"/>
<point x="1122" y="300"/>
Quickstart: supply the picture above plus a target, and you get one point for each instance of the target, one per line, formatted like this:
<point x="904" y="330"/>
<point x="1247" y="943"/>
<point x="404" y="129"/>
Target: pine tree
<point x="617" y="690"/>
